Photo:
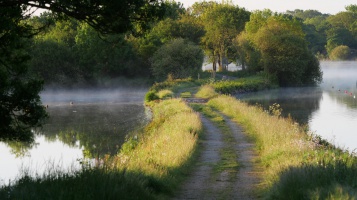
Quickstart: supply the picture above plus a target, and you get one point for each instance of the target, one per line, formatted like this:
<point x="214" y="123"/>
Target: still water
<point x="83" y="125"/>
<point x="330" y="109"/>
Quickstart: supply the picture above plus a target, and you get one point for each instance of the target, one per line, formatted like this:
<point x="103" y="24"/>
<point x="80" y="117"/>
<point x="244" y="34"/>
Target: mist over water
<point x="330" y="109"/>
<point x="83" y="124"/>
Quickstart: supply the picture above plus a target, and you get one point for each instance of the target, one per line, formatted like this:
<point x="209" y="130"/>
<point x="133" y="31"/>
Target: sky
<point x="324" y="6"/>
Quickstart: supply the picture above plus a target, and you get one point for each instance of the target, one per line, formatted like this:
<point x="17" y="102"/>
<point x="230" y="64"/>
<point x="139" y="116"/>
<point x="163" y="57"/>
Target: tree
<point x="106" y="16"/>
<point x="285" y="54"/>
<point x="178" y="58"/>
<point x="20" y="107"/>
<point x="222" y="23"/>
<point x="278" y="46"/>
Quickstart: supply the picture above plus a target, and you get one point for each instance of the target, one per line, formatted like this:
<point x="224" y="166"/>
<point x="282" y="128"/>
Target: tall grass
<point x="150" y="165"/>
<point x="240" y="85"/>
<point x="167" y="143"/>
<point x="295" y="164"/>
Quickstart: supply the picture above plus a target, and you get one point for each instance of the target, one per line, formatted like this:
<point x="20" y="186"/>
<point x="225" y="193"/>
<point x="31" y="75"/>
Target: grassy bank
<point x="150" y="165"/>
<point x="295" y="164"/>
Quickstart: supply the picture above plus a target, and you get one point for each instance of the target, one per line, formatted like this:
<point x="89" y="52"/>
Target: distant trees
<point x="326" y="32"/>
<point x="178" y="58"/>
<point x="277" y="45"/>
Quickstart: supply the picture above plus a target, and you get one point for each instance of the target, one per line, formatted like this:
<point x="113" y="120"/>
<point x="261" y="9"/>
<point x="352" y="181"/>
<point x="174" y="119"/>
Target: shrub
<point x="341" y="52"/>
<point x="151" y="96"/>
<point x="162" y="94"/>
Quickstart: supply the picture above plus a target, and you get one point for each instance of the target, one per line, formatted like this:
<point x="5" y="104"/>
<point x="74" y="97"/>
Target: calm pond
<point x="330" y="109"/>
<point x="93" y="125"/>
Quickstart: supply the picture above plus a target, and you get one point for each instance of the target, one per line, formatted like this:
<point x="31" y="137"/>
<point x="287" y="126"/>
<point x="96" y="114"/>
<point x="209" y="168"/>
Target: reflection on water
<point x="299" y="103"/>
<point x="83" y="124"/>
<point x="330" y="110"/>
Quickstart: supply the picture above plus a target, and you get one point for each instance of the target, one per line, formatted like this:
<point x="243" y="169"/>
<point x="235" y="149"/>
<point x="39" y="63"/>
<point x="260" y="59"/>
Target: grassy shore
<point x="296" y="164"/>
<point x="150" y="164"/>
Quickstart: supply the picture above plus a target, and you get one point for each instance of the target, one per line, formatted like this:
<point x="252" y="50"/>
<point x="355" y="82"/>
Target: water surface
<point x="330" y="109"/>
<point x="83" y="125"/>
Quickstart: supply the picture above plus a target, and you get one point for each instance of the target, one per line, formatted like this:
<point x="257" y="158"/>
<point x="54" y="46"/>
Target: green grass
<point x="149" y="166"/>
<point x="248" y="84"/>
<point x="295" y="164"/>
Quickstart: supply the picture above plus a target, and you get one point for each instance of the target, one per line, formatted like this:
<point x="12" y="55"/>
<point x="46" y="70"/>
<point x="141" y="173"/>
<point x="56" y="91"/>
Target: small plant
<point x="129" y="145"/>
<point x="163" y="94"/>
<point x="275" y="110"/>
<point x="185" y="95"/>
<point x="206" y="91"/>
<point x="151" y="96"/>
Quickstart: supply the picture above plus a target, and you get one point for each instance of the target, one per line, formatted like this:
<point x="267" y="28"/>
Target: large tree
<point x="222" y="23"/>
<point x="279" y="47"/>
<point x="20" y="105"/>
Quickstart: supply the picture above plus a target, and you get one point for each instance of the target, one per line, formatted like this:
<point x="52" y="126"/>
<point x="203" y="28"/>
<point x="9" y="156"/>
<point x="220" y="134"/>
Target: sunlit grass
<point x="295" y="164"/>
<point x="206" y="91"/>
<point x="248" y="84"/>
<point x="168" y="142"/>
<point x="165" y="93"/>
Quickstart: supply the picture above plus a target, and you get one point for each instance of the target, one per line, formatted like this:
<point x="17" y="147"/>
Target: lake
<point x="83" y="125"/>
<point x="329" y="110"/>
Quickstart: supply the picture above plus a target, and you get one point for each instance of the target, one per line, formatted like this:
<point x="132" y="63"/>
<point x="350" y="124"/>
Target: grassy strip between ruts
<point x="149" y="166"/>
<point x="295" y="165"/>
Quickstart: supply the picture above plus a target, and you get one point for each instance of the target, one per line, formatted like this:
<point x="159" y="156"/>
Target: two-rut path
<point x="204" y="182"/>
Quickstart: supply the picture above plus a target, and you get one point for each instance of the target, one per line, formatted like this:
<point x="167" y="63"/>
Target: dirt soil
<point x="204" y="182"/>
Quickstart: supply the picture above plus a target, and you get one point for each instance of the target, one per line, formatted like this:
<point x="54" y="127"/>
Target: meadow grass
<point x="206" y="91"/>
<point x="247" y="84"/>
<point x="150" y="165"/>
<point x="296" y="165"/>
<point x="165" y="93"/>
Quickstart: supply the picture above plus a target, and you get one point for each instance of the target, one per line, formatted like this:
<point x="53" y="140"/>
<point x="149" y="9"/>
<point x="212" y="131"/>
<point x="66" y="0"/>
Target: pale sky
<point x="324" y="6"/>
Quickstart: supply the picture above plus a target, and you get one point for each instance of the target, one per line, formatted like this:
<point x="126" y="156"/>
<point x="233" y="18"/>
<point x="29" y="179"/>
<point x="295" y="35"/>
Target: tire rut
<point x="205" y="183"/>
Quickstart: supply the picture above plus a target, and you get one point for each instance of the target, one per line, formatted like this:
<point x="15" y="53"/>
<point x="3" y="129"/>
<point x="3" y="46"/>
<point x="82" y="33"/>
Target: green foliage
<point x="129" y="145"/>
<point x="179" y="58"/>
<point x="165" y="93"/>
<point x="151" y="96"/>
<point x="222" y="23"/>
<point x="20" y="102"/>
<point x="88" y="184"/>
<point x="341" y="52"/>
<point x="273" y="36"/>
<point x="241" y="85"/>
<point x="185" y="95"/>
<point x="206" y="91"/>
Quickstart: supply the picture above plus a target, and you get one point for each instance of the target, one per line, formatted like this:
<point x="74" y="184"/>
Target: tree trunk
<point x="220" y="67"/>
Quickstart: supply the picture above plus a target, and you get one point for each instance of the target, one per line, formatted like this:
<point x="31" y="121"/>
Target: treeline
<point x="70" y="51"/>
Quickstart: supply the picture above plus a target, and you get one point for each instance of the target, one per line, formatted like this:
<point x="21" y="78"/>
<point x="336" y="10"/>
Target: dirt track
<point x="206" y="183"/>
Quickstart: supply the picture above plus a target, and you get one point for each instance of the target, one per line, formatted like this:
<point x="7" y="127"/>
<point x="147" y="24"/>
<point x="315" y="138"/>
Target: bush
<point x="341" y="52"/>
<point x="151" y="96"/>
<point x="162" y="94"/>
